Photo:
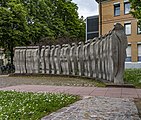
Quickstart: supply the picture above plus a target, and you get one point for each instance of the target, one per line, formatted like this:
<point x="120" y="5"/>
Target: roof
<point x="100" y="0"/>
<point x="94" y="16"/>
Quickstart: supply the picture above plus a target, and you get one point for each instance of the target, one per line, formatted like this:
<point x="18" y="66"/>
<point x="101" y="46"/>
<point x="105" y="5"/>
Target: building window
<point x="139" y="29"/>
<point x="92" y="27"/>
<point x="126" y="8"/>
<point x="128" y="52"/>
<point x="127" y="27"/>
<point x="139" y="52"/>
<point x="117" y="9"/>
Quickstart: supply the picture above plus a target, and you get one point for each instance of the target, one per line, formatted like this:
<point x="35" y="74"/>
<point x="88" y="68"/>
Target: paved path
<point x="83" y="91"/>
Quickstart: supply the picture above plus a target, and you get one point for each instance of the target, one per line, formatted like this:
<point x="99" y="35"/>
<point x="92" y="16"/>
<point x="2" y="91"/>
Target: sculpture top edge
<point x="20" y="47"/>
<point x="118" y="26"/>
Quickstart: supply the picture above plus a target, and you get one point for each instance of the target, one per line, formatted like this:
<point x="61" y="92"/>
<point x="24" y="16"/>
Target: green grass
<point x="133" y="76"/>
<point x="31" y="106"/>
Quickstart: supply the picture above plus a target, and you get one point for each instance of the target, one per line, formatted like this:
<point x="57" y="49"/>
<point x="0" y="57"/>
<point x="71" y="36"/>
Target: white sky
<point x="86" y="7"/>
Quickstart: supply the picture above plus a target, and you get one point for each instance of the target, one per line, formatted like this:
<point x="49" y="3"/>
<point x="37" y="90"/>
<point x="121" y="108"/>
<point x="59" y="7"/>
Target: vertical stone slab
<point x="28" y="60"/>
<point x="67" y="59"/>
<point x="73" y="59"/>
<point x="85" y="60"/>
<point x="98" y="62"/>
<point x="89" y="60"/>
<point x="47" y="60"/>
<point x="57" y="59"/>
<point x="80" y="58"/>
<point x="100" y="59"/>
<point x="93" y="58"/>
<point x="87" y="64"/>
<point x="35" y="59"/>
<point x="32" y="59"/>
<point x="20" y="60"/>
<point x="62" y="59"/>
<point x="104" y="57"/>
<point x="119" y="49"/>
<point x="43" y="64"/>
<point x="23" y="59"/>
<point x="110" y="59"/>
<point x="52" y="62"/>
<point x="101" y="65"/>
<point x="17" y="60"/>
<point x="96" y="59"/>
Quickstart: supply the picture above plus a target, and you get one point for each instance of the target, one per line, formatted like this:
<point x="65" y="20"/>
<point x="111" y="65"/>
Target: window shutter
<point x="139" y="50"/>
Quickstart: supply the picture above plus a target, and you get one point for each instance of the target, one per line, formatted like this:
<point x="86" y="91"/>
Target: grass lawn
<point x="31" y="106"/>
<point x="133" y="76"/>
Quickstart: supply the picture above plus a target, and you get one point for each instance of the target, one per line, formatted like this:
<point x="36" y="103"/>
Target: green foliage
<point x="67" y="12"/>
<point x="136" y="10"/>
<point x="25" y="106"/>
<point x="38" y="18"/>
<point x="13" y="25"/>
<point x="133" y="76"/>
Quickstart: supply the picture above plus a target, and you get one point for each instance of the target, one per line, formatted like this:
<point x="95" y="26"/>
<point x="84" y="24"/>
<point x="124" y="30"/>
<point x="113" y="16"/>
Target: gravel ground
<point x="6" y="81"/>
<point x="98" y="108"/>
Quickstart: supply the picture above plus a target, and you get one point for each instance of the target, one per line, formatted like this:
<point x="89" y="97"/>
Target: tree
<point x="39" y="12"/>
<point x="66" y="10"/>
<point x="53" y="19"/>
<point x="136" y="10"/>
<point x="13" y="25"/>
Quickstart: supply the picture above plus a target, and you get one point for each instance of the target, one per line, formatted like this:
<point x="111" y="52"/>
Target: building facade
<point x="118" y="11"/>
<point x="92" y="27"/>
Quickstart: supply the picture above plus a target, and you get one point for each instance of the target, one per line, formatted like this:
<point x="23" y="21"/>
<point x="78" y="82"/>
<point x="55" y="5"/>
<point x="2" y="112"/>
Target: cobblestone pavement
<point x="98" y="108"/>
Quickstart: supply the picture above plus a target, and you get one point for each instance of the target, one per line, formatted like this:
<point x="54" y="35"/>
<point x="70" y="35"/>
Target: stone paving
<point x="100" y="103"/>
<point x="98" y="108"/>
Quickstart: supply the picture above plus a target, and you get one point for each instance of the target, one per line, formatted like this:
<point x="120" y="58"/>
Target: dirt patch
<point x="6" y="81"/>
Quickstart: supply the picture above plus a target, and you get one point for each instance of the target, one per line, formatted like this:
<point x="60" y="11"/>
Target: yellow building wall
<point x="108" y="20"/>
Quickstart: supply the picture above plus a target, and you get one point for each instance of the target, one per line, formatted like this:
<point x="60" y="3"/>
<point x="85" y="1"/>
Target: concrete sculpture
<point x="62" y="59"/>
<point x="73" y="59"/>
<point x="43" y="62"/>
<point x="80" y="58"/>
<point x="47" y="60"/>
<point x="57" y="59"/>
<point x="17" y="60"/>
<point x="67" y="59"/>
<point x="52" y="62"/>
<point x="101" y="58"/>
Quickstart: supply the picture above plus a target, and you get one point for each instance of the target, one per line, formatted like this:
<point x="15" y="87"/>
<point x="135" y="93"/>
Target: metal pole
<point x="100" y="14"/>
<point x="86" y="29"/>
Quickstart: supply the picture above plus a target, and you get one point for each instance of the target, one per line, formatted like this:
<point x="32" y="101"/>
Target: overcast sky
<point x="86" y="7"/>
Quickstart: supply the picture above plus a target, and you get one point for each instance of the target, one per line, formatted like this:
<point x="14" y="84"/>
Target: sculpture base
<point x="120" y="85"/>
